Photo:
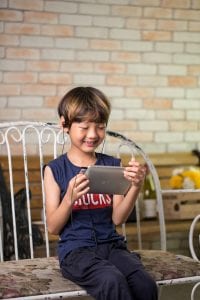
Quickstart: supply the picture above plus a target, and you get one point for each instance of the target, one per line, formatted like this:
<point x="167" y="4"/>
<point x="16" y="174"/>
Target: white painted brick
<point x="60" y="6"/>
<point x="38" y="114"/>
<point x="139" y="114"/>
<point x="112" y="91"/>
<point x="76" y="67"/>
<point x="71" y="43"/>
<point x="112" y="22"/>
<point x="93" y="55"/>
<point x="76" y="20"/>
<point x="170" y="92"/>
<point x="94" y="9"/>
<point x="126" y="103"/>
<point x="187" y="37"/>
<point x="186" y="104"/>
<point x="180" y="147"/>
<point x="137" y="46"/>
<point x="169" y="47"/>
<point x="193" y="115"/>
<point x="152" y="81"/>
<point x="172" y="70"/>
<point x="196" y="4"/>
<point x="144" y="69"/>
<point x="1" y="26"/>
<point x="39" y="42"/>
<point x="156" y="58"/>
<point x="2" y="52"/>
<point x="113" y="1"/>
<point x="3" y="102"/>
<point x="57" y="54"/>
<point x="27" y="101"/>
<point x="3" y="3"/>
<point x="153" y="125"/>
<point x="191" y="136"/>
<point x="116" y="114"/>
<point x="186" y="59"/>
<point x="10" y="114"/>
<point x="92" y="32"/>
<point x="169" y="137"/>
<point x="154" y="147"/>
<point x="125" y="34"/>
<point x="136" y="136"/>
<point x="183" y="125"/>
<point x="170" y="114"/>
<point x="193" y="93"/>
<point x="92" y="79"/>
<point x="12" y="65"/>
<point x="193" y="48"/>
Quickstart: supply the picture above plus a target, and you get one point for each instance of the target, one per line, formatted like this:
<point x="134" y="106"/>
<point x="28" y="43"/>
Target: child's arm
<point x="58" y="212"/>
<point x="123" y="205"/>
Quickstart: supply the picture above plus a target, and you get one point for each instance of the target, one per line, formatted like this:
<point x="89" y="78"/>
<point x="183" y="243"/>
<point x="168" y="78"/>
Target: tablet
<point x="107" y="180"/>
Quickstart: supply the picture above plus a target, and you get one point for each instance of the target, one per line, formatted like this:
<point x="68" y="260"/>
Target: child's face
<point x="87" y="136"/>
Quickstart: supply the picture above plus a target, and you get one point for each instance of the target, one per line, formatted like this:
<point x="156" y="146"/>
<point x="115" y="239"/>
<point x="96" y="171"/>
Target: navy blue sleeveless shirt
<point x="91" y="217"/>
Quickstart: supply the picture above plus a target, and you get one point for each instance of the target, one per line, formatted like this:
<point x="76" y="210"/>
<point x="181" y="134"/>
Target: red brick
<point x="26" y="5"/>
<point x="182" y="81"/>
<point x="126" y="56"/>
<point x="38" y="89"/>
<point x="105" y="44"/>
<point x="176" y="3"/>
<point x="194" y="70"/>
<point x="57" y="30"/>
<point x="9" y="89"/>
<point x="10" y="15"/>
<point x="156" y="36"/>
<point x="23" y="28"/>
<point x="109" y="67"/>
<point x="155" y="103"/>
<point x="55" y="78"/>
<point x="43" y="66"/>
<point x="6" y="39"/>
<point x="122" y="80"/>
<point x="140" y="92"/>
<point x="24" y="53"/>
<point x="20" y="77"/>
<point x="41" y="17"/>
<point x="51" y="102"/>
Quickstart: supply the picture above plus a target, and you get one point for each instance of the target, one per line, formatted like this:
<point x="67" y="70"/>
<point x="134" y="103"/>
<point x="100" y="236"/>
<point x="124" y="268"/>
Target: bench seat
<point x="40" y="278"/>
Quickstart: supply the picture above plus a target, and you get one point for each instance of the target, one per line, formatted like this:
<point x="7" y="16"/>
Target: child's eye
<point x="101" y="126"/>
<point x="83" y="127"/>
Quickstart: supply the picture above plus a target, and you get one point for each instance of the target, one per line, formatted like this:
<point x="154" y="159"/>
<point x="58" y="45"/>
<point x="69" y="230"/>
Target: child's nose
<point x="92" y="132"/>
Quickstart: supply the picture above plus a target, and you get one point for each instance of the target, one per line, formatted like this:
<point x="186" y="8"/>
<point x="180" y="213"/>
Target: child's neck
<point x="84" y="160"/>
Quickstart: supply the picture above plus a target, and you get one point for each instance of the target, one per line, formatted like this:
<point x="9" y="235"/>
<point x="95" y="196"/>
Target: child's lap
<point x="105" y="258"/>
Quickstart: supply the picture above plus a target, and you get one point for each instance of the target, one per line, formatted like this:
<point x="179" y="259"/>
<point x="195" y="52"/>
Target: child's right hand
<point x="77" y="187"/>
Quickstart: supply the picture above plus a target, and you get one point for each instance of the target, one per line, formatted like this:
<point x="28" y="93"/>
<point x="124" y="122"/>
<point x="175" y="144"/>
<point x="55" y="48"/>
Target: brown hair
<point x="84" y="103"/>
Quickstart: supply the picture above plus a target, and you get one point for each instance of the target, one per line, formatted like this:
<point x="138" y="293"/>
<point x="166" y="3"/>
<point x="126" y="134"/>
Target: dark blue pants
<point x="109" y="272"/>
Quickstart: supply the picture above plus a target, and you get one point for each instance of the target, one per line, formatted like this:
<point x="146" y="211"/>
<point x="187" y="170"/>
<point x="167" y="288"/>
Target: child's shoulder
<point x="57" y="161"/>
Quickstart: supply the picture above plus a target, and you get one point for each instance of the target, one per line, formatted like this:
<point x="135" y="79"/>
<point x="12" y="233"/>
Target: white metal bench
<point x="39" y="277"/>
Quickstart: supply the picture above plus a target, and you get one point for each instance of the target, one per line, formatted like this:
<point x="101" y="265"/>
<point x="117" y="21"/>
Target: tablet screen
<point x="107" y="180"/>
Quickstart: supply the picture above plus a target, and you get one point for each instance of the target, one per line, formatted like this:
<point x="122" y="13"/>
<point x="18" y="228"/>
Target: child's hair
<point x="84" y="104"/>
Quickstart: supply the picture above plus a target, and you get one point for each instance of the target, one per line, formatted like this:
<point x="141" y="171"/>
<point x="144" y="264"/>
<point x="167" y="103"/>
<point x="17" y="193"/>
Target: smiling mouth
<point x="91" y="143"/>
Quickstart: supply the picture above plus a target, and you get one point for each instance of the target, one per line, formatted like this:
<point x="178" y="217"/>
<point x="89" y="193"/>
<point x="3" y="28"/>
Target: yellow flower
<point x="181" y="177"/>
<point x="176" y="182"/>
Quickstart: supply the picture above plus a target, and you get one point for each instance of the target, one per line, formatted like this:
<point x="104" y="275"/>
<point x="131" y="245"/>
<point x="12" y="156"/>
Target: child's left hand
<point x="136" y="172"/>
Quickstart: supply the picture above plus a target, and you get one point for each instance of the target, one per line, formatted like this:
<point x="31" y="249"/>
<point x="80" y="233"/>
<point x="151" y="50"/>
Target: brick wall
<point x="145" y="55"/>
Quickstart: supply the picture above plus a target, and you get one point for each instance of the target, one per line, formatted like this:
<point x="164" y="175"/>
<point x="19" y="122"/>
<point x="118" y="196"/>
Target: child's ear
<point x="63" y="124"/>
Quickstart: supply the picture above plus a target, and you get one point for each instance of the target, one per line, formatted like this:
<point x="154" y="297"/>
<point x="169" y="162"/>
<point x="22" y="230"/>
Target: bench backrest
<point x="24" y="148"/>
